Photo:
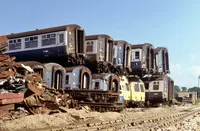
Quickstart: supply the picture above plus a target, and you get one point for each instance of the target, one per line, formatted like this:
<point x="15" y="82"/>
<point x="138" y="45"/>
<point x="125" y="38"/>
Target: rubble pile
<point x="19" y="84"/>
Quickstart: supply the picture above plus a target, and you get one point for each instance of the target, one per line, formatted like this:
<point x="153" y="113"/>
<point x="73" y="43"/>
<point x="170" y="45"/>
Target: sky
<point x="174" y="24"/>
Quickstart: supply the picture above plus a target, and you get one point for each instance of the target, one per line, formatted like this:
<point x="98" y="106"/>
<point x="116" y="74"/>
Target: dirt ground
<point x="33" y="122"/>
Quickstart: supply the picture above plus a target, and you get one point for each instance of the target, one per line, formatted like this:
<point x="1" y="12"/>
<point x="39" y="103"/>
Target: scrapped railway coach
<point x="62" y="44"/>
<point x="122" y="57"/>
<point x="160" y="90"/>
<point x="133" y="91"/>
<point x="142" y="61"/>
<point x="162" y="60"/>
<point x="99" y="52"/>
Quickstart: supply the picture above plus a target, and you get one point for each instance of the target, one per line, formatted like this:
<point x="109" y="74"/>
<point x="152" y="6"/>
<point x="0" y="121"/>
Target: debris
<point x="3" y="43"/>
<point x="19" y="84"/>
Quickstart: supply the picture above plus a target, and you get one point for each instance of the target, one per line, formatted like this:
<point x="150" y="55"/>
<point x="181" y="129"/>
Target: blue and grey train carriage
<point x="122" y="57"/>
<point x="142" y="59"/>
<point x="105" y="82"/>
<point x="99" y="52"/>
<point x="62" y="44"/>
<point x="160" y="90"/>
<point x="55" y="76"/>
<point x="162" y="60"/>
<point x="78" y="78"/>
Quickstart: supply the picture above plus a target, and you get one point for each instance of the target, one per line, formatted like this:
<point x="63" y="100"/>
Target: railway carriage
<point x="161" y="60"/>
<point x="54" y="76"/>
<point x="160" y="90"/>
<point x="62" y="44"/>
<point x="142" y="59"/>
<point x="133" y="91"/>
<point x="99" y="52"/>
<point x="78" y="78"/>
<point x="121" y="57"/>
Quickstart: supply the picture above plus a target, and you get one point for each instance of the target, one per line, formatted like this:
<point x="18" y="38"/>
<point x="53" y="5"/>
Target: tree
<point x="184" y="88"/>
<point x="176" y="90"/>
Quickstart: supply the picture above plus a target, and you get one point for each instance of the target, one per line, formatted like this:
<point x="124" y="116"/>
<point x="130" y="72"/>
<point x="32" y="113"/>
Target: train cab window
<point x="15" y="44"/>
<point x="127" y="87"/>
<point x="61" y="38"/>
<point x="96" y="86"/>
<point x="31" y="42"/>
<point x="137" y="55"/>
<point x="89" y="46"/>
<point x="67" y="79"/>
<point x="155" y="87"/>
<point x="136" y="87"/>
<point x="141" y="88"/>
<point x="49" y="39"/>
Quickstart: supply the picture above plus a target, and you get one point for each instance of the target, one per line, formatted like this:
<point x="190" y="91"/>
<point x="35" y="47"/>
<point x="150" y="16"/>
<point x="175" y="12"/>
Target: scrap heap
<point x="20" y="85"/>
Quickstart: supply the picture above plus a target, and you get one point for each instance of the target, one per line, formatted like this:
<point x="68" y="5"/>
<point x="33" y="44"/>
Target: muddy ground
<point x="33" y="122"/>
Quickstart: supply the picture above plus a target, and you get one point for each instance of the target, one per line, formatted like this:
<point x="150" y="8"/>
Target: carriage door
<point x="85" y="81"/>
<point x="80" y="41"/>
<point x="127" y="55"/>
<point x="163" y="61"/>
<point x="114" y="84"/>
<point x="148" y="60"/>
<point x="152" y="59"/>
<point x="58" y="80"/>
<point x="110" y="56"/>
<point x="171" y="89"/>
<point x="107" y="50"/>
<point x="167" y="61"/>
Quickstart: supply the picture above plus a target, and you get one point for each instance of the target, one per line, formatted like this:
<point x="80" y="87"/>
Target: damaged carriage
<point x="62" y="44"/>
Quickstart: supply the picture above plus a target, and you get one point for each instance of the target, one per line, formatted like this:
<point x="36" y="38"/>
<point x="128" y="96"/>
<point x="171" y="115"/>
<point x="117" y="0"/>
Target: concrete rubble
<point x="20" y="85"/>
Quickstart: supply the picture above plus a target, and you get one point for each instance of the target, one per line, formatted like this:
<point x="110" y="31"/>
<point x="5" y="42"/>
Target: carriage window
<point x="49" y="39"/>
<point x="15" y="44"/>
<point x="141" y="88"/>
<point x="127" y="87"/>
<point x="31" y="42"/>
<point x="136" y="87"/>
<point x="137" y="55"/>
<point x="61" y="38"/>
<point x="89" y="47"/>
<point x="67" y="79"/>
<point x="96" y="86"/>
<point x="155" y="87"/>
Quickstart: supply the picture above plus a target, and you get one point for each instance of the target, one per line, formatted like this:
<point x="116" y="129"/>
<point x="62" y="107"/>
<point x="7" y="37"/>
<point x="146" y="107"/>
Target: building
<point x="188" y="97"/>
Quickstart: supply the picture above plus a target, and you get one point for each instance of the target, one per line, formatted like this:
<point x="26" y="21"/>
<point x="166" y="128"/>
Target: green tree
<point x="176" y="90"/>
<point x="183" y="88"/>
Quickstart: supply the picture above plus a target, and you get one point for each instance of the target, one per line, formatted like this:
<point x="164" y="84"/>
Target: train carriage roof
<point x="43" y="31"/>
<point x="121" y="41"/>
<point x="92" y="37"/>
<point x="141" y="45"/>
<point x="160" y="48"/>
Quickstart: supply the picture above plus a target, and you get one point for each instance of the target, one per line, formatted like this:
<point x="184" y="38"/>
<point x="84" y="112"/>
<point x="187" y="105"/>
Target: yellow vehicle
<point x="133" y="90"/>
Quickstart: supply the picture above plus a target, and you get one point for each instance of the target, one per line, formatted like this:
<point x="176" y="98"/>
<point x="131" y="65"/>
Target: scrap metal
<point x="19" y="84"/>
